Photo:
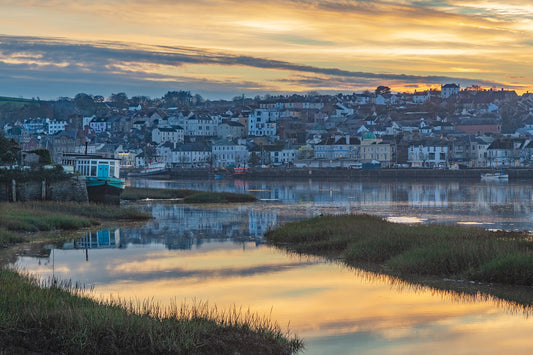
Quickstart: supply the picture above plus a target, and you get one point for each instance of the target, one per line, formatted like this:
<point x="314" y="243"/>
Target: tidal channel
<point x="216" y="253"/>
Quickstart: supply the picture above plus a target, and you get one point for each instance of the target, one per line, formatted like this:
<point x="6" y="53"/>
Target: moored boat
<point x="154" y="169"/>
<point x="499" y="176"/>
<point x="102" y="176"/>
<point x="240" y="171"/>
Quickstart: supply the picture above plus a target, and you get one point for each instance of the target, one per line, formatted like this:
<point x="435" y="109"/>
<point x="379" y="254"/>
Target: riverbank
<point x="57" y="317"/>
<point x="185" y="195"/>
<point x="420" y="253"/>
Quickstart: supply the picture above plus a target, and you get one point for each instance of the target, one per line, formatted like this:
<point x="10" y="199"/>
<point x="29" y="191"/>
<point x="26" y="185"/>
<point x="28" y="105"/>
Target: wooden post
<point x="43" y="190"/>
<point x="14" y="190"/>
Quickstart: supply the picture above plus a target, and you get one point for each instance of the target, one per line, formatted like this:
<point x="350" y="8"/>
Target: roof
<point x="165" y="129"/>
<point x="233" y="123"/>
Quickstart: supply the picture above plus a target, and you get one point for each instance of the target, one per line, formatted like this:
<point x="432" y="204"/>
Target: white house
<point x="504" y="152"/>
<point x="162" y="134"/>
<point x="340" y="147"/>
<point x="231" y="130"/>
<point x="198" y="125"/>
<point x="448" y="90"/>
<point x="262" y="123"/>
<point x="98" y="125"/>
<point x="227" y="153"/>
<point x="283" y="156"/>
<point x="420" y="98"/>
<point x="187" y="155"/>
<point x="428" y="156"/>
<point x="55" y="126"/>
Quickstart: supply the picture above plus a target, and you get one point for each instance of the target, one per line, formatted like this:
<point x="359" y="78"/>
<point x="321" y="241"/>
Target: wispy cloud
<point x="60" y="60"/>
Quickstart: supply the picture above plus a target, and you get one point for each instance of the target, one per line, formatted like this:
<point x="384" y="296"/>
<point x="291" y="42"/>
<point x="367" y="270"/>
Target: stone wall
<point x="73" y="189"/>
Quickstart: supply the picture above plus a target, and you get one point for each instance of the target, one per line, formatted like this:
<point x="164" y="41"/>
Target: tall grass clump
<point x="57" y="317"/>
<point x="140" y="193"/>
<point x="35" y="217"/>
<point x="218" y="197"/>
<point x="411" y="250"/>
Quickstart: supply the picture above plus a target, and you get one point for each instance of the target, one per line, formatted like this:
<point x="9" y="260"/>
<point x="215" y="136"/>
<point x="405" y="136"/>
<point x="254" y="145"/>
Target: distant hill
<point x="14" y="103"/>
<point x="14" y="108"/>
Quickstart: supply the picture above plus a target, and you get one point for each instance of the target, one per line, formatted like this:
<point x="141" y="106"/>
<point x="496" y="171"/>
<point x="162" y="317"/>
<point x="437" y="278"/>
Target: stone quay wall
<point x="407" y="174"/>
<point x="72" y="189"/>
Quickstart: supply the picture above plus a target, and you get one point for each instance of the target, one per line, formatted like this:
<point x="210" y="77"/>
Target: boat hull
<point x="104" y="190"/>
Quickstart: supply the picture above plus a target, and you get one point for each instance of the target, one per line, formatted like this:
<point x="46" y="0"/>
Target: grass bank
<point x="58" y="318"/>
<point x="402" y="250"/>
<point x="188" y="196"/>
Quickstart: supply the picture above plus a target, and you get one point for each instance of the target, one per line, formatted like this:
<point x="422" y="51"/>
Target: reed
<point x="414" y="250"/>
<point x="58" y="317"/>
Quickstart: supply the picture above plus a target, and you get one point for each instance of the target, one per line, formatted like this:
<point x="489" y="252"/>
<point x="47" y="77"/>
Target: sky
<point x="226" y="48"/>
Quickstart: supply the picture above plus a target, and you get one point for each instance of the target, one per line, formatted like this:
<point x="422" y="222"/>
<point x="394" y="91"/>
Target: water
<point x="216" y="253"/>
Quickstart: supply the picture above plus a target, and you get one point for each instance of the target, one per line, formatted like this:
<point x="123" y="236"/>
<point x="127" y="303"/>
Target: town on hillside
<point x="449" y="128"/>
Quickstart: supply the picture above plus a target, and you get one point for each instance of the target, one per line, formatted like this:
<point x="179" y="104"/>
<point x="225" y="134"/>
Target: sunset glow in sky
<point x="224" y="48"/>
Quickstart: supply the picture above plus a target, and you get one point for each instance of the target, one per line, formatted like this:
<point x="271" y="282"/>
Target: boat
<point x="499" y="176"/>
<point x="240" y="171"/>
<point x="154" y="169"/>
<point x="102" y="176"/>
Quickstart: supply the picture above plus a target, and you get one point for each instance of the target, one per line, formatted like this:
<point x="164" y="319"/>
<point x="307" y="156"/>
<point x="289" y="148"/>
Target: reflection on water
<point x="216" y="253"/>
<point x="497" y="206"/>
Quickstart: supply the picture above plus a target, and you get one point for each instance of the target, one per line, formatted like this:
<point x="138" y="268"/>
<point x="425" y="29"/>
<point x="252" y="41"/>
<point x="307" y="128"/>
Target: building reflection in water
<point x="107" y="238"/>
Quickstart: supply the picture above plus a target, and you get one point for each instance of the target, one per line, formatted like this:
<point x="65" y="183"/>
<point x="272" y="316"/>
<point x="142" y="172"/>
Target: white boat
<point x="154" y="168"/>
<point x="500" y="176"/>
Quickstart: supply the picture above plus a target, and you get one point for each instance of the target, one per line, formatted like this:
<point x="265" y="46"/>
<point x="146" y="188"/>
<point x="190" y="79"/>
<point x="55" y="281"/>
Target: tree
<point x="197" y="99"/>
<point x="98" y="98"/>
<point x="85" y="103"/>
<point x="8" y="150"/>
<point x="45" y="158"/>
<point x="120" y="100"/>
<point x="382" y="90"/>
<point x="180" y="99"/>
<point x="254" y="159"/>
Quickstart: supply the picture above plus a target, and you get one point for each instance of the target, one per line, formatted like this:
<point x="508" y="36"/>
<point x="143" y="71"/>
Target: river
<point x="216" y="253"/>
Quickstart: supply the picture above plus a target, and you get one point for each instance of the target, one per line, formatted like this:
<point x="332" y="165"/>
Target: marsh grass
<point x="188" y="196"/>
<point x="9" y="238"/>
<point x="18" y="219"/>
<point x="218" y="197"/>
<point x="140" y="193"/>
<point x="406" y="250"/>
<point x="57" y="317"/>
